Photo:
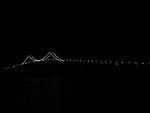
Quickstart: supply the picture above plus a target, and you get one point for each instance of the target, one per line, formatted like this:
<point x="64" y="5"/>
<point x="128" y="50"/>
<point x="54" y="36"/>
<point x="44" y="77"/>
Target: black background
<point x="73" y="30"/>
<point x="80" y="32"/>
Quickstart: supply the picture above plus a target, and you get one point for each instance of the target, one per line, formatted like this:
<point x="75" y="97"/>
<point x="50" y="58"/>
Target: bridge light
<point x="116" y="63"/>
<point x="135" y="62"/>
<point x="142" y="63"/>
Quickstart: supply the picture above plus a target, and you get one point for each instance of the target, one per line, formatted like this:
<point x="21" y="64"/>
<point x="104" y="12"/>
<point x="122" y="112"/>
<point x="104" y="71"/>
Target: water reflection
<point x="80" y="88"/>
<point x="44" y="92"/>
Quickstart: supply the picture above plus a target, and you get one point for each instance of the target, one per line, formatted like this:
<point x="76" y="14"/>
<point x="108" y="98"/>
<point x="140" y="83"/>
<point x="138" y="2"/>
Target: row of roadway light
<point x="104" y="61"/>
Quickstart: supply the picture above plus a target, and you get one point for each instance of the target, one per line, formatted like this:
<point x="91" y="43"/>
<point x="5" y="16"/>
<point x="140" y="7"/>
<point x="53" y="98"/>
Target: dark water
<point x="77" y="87"/>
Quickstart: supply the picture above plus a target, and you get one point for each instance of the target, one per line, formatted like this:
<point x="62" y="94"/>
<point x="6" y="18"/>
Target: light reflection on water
<point x="37" y="91"/>
<point x="64" y="89"/>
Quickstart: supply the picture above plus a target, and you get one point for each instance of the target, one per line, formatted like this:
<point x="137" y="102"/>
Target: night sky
<point x="73" y="30"/>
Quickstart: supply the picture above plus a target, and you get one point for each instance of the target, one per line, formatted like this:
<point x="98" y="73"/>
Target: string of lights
<point x="51" y="56"/>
